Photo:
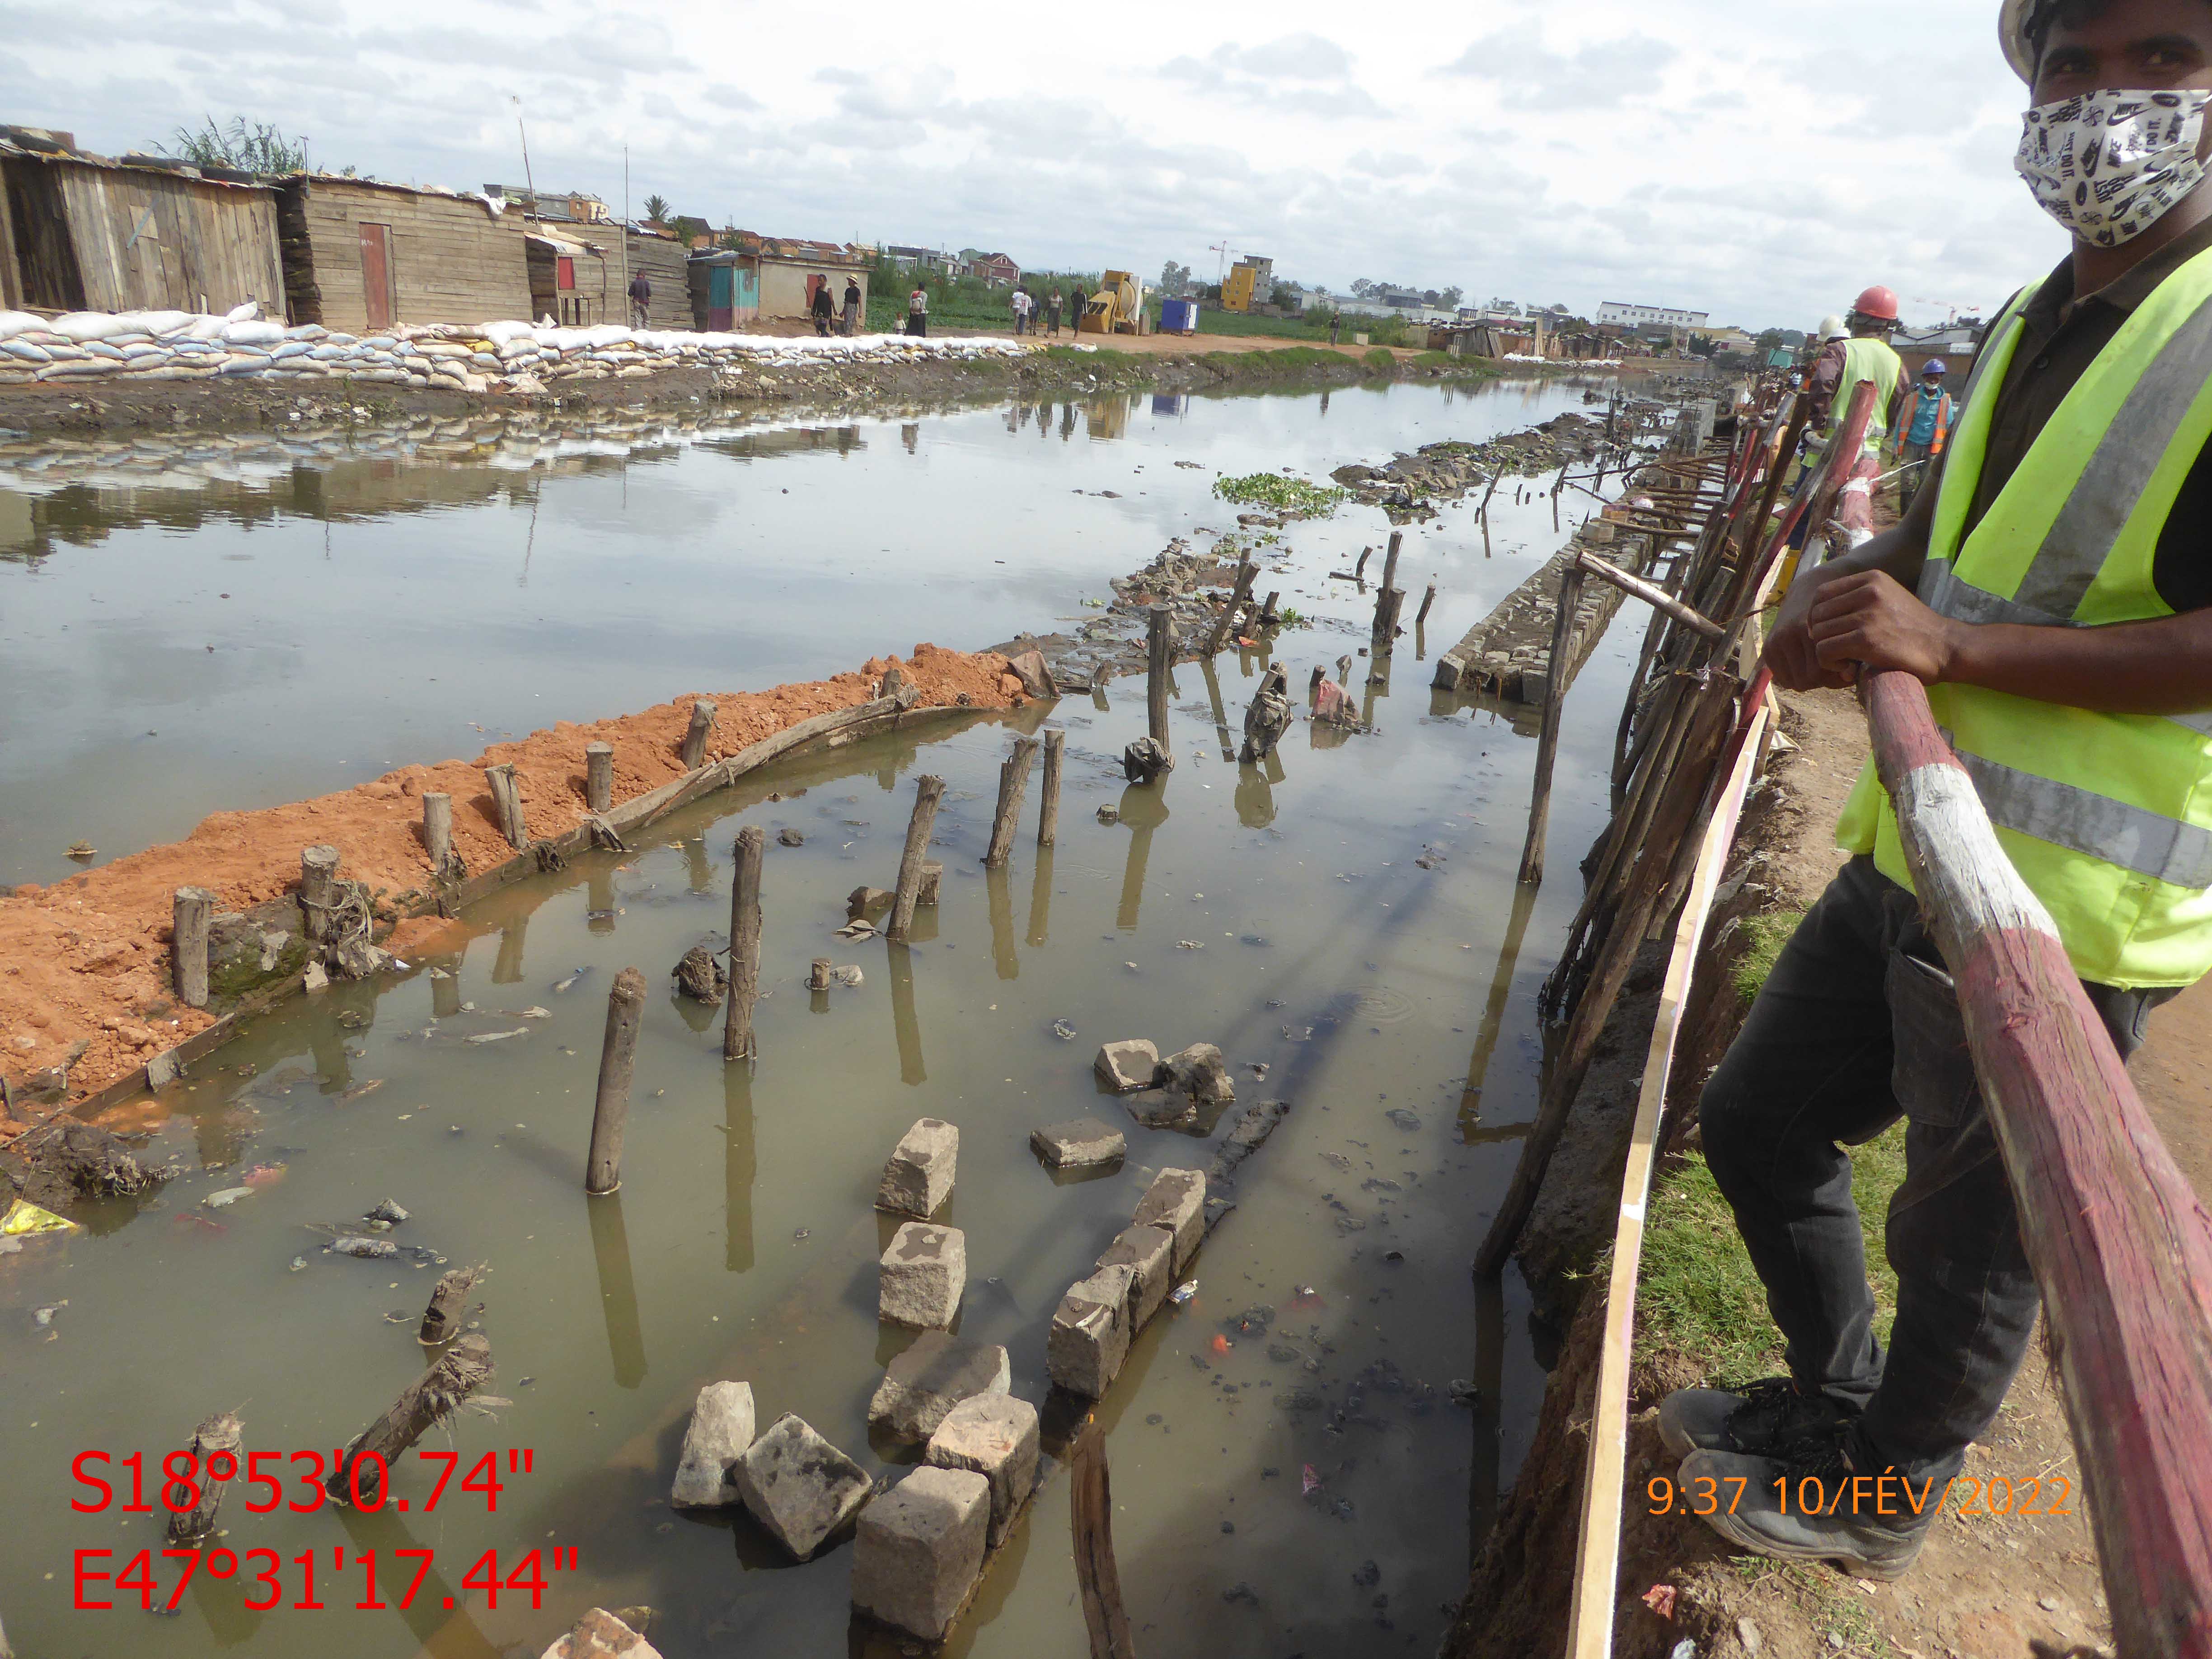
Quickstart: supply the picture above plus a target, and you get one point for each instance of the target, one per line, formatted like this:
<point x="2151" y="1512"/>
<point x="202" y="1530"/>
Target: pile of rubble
<point x="1405" y="488"/>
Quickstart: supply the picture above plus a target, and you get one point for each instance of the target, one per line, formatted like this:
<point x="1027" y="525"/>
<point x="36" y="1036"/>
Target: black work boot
<point x="1815" y="1505"/>
<point x="1767" y="1420"/>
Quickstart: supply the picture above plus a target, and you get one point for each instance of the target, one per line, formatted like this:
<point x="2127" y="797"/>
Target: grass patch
<point x="1824" y="1597"/>
<point x="1284" y="494"/>
<point x="1701" y="1305"/>
<point x="1765" y="934"/>
<point x="1381" y="359"/>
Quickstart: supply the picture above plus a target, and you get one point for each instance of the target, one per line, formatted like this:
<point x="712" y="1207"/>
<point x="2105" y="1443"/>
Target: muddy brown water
<point x="1276" y="911"/>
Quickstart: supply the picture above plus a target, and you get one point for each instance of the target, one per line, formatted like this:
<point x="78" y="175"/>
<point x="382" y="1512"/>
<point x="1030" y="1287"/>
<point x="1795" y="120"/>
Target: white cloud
<point x="1736" y="156"/>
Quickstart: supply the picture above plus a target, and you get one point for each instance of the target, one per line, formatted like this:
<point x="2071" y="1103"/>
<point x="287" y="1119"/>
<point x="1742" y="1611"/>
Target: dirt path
<point x="84" y="962"/>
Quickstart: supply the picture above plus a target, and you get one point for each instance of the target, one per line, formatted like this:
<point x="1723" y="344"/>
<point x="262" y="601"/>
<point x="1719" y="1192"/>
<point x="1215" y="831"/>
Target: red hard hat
<point x="1878" y="302"/>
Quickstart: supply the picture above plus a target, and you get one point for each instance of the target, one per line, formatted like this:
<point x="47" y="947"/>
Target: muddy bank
<point x="86" y="996"/>
<point x="829" y="384"/>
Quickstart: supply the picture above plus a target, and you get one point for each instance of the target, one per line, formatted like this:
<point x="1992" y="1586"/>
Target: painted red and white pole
<point x="2121" y="1247"/>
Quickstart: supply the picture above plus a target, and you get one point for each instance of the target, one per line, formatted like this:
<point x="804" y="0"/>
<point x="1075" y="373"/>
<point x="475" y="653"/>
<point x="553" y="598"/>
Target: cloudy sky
<point x="1761" y="161"/>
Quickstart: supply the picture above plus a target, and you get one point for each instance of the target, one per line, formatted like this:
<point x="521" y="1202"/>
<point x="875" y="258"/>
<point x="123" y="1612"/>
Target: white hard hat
<point x="1831" y="328"/>
<point x="2012" y="33"/>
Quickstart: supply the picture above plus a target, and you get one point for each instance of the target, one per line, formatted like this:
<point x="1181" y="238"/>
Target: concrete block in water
<point x="1080" y="1144"/>
<point x="919" y="1549"/>
<point x="720" y="1433"/>
<point x="995" y="1435"/>
<point x="1177" y="1201"/>
<point x="1126" y="1068"/>
<point x="1149" y="1254"/>
<point x="923" y="1274"/>
<point x="1198" y="1072"/>
<point x="919" y="1177"/>
<point x="1156" y="1109"/>
<point x="922" y="1385"/>
<point x="798" y="1486"/>
<point x="599" y="1635"/>
<point x="1090" y="1334"/>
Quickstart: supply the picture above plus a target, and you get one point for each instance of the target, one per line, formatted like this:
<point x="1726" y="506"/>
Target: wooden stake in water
<point x="599" y="775"/>
<point x="507" y="799"/>
<point x="191" y="910"/>
<point x="1246" y="570"/>
<point x="318" y="876"/>
<point x="745" y="945"/>
<point x="1159" y="642"/>
<point x="1055" y="752"/>
<point x="1390" y="560"/>
<point x="929" y="791"/>
<point x="438" y="829"/>
<point x="1013" y="778"/>
<point x="618" y="1055"/>
<point x="221" y="1434"/>
<point x="1421" y="616"/>
<point x="695" y="739"/>
<point x="1547" y="743"/>
<point x="429" y="1398"/>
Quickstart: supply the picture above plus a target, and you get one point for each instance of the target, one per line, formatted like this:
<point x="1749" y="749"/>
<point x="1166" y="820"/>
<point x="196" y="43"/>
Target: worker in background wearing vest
<point x="1922" y="426"/>
<point x="2063" y="623"/>
<point x="1861" y="351"/>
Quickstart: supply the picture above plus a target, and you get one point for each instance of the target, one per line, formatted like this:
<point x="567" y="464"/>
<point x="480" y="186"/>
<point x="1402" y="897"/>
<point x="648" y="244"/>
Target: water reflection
<point x="1000" y="884"/>
<point x="1041" y="898"/>
<point x="617" y="1289"/>
<point x="905" y="1026"/>
<point x="1144" y="809"/>
<point x="739" y="1166"/>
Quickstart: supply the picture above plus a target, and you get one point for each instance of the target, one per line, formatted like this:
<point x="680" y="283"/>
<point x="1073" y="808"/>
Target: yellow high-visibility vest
<point x="2107" y="818"/>
<point x="1864" y="359"/>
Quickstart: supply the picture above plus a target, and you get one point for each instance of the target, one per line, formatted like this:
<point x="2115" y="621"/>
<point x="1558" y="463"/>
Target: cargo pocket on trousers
<point x="1931" y="1070"/>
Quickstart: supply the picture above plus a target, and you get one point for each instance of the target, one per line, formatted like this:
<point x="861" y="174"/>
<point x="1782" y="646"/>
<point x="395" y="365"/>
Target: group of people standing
<point x="826" y="313"/>
<point x="1026" y="306"/>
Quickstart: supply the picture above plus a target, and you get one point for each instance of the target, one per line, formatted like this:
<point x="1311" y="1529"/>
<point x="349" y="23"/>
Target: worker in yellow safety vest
<point x="1857" y="349"/>
<point x="2054" y="591"/>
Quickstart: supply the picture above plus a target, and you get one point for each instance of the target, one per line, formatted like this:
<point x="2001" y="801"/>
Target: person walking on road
<point x="640" y="299"/>
<point x="2060" y="617"/>
<point x="852" y="320"/>
<point x="917" y="311"/>
<point x="1922" y="426"/>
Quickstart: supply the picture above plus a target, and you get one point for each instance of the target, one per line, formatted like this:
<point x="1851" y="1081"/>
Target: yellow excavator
<point x="1118" y="307"/>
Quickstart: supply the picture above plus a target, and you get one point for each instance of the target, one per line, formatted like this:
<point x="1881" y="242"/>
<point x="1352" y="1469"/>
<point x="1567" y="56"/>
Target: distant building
<point x="995" y="269"/>
<point x="1250" y="282"/>
<point x="560" y="207"/>
<point x="1631" y="316"/>
<point x="918" y="258"/>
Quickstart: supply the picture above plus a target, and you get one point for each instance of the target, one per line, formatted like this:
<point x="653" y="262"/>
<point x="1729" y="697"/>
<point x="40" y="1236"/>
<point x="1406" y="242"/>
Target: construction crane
<point x="1951" y="311"/>
<point x="1118" y="307"/>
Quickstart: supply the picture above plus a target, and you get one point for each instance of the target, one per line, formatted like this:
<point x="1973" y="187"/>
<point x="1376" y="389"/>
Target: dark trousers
<point x="1859" y="1024"/>
<point x="1908" y="481"/>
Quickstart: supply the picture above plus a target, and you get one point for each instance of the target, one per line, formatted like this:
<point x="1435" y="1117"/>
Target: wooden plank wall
<point x="151" y="240"/>
<point x="667" y="267"/>
<point x="11" y="283"/>
<point x="452" y="261"/>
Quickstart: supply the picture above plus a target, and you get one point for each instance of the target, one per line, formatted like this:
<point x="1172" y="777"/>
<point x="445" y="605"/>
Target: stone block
<point x="1090" y="1334"/>
<point x="1198" y="1072"/>
<point x="599" y="1635"/>
<point x="798" y="1486"/>
<point x="924" y="1274"/>
<point x="919" y="1549"/>
<point x="1036" y="677"/>
<point x="862" y="900"/>
<point x="720" y="1433"/>
<point x="1177" y="1201"/>
<point x="996" y="1435"/>
<point x="923" y="1384"/>
<point x="1126" y="1068"/>
<point x="1080" y="1144"/>
<point x="1149" y="1254"/>
<point x="919" y="1177"/>
<point x="1156" y="1109"/>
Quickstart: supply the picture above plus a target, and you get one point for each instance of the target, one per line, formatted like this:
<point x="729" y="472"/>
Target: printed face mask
<point x="2107" y="165"/>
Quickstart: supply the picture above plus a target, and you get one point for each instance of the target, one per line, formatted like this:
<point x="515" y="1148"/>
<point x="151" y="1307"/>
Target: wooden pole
<point x="1269" y="618"/>
<point x="618" y="1055"/>
<point x="1421" y="616"/>
<point x="1390" y="560"/>
<point x="1091" y="1501"/>
<point x="438" y="829"/>
<point x="598" y="776"/>
<point x="1547" y="742"/>
<point x="1159" y="644"/>
<point x="738" y="1041"/>
<point x="2121" y="1245"/>
<point x="453" y="1377"/>
<point x="1246" y="570"/>
<point x="507" y="799"/>
<point x="1013" y="778"/>
<point x="1653" y="595"/>
<point x="817" y="976"/>
<point x="221" y="1435"/>
<point x="441" y="1320"/>
<point x="319" y="875"/>
<point x="1359" y="569"/>
<point x="929" y="791"/>
<point x="191" y="908"/>
<point x="695" y="738"/>
<point x="1056" y="754"/>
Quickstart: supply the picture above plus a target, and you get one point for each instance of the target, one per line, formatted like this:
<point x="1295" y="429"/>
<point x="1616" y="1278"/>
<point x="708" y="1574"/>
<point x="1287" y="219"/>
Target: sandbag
<point x="80" y="326"/>
<point x="245" y="314"/>
<point x="252" y="333"/>
<point x="13" y="323"/>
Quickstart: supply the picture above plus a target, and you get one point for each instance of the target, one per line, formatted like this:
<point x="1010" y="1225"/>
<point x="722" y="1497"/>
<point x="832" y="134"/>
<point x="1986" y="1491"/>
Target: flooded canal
<point x="1311" y="1488"/>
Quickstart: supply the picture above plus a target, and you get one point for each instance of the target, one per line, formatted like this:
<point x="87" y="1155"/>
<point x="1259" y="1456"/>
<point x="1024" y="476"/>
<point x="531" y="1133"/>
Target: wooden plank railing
<point x="2121" y="1247"/>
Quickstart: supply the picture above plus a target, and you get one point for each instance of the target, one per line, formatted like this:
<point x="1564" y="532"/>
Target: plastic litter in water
<point x="1182" y="1294"/>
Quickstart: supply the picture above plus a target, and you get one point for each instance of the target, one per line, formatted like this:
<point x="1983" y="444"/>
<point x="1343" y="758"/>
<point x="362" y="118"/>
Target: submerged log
<point x="429" y="1400"/>
<point x="441" y="1320"/>
<point x="928" y="790"/>
<point x="220" y="1436"/>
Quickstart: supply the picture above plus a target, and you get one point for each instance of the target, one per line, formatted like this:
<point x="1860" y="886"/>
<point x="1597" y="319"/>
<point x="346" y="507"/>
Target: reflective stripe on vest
<point x="2108" y="817"/>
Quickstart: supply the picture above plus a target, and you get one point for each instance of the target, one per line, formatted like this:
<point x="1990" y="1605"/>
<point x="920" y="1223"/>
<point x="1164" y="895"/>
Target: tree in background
<point x="1449" y="299"/>
<point x="1174" y="278"/>
<point x="656" y="210"/>
<point x="259" y="147"/>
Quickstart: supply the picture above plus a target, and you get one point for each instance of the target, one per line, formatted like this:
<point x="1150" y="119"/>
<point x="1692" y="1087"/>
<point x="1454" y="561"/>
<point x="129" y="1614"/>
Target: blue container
<point x="1179" y="317"/>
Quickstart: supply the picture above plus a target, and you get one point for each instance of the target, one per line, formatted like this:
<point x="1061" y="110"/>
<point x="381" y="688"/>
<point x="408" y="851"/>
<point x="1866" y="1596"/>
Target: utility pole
<point x="529" y="183"/>
<point x="622" y="231"/>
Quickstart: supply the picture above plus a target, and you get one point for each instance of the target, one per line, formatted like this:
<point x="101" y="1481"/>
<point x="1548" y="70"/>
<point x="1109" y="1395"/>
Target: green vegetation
<point x="1284" y="494"/>
<point x="1825" y="1598"/>
<point x="1763" y="936"/>
<point x="259" y="147"/>
<point x="1380" y="360"/>
<point x="656" y="210"/>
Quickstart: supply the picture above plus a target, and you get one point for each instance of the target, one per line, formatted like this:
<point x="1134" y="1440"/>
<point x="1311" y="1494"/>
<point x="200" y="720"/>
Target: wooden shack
<point x="791" y="270"/>
<point x="571" y="282"/>
<point x="83" y="233"/>
<point x="360" y="256"/>
<point x="662" y="258"/>
<point x="724" y="289"/>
